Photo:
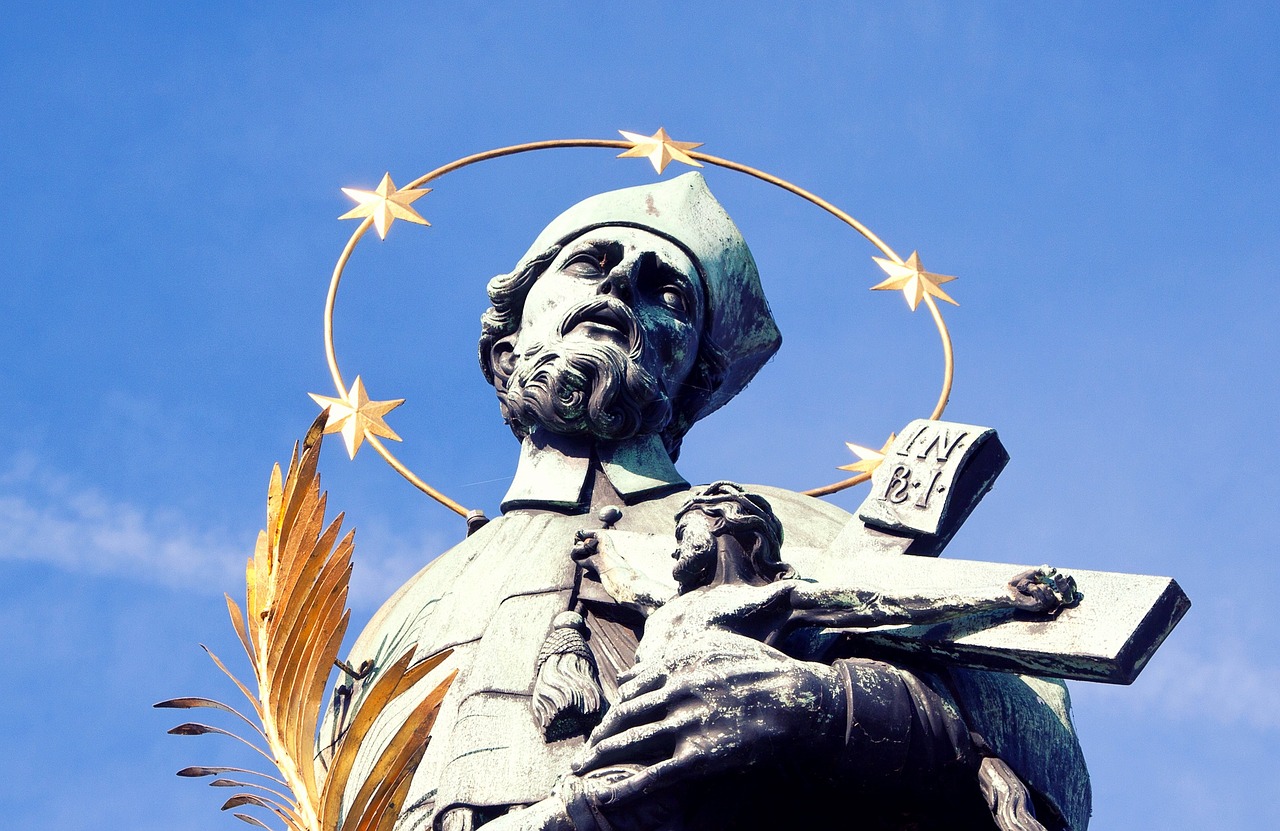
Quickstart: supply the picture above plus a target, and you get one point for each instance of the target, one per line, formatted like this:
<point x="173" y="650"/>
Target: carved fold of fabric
<point x="900" y="724"/>
<point x="878" y="717"/>
<point x="903" y="728"/>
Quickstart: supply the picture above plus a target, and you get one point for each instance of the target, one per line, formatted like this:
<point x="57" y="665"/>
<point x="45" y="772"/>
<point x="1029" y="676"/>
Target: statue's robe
<point x="492" y="598"/>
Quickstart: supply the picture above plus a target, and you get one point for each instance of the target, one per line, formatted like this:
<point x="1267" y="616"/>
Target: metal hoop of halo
<point x="332" y="297"/>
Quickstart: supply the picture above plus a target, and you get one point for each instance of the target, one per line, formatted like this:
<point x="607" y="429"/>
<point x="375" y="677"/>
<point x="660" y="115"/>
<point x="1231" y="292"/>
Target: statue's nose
<point x="620" y="284"/>
<point x="622" y="280"/>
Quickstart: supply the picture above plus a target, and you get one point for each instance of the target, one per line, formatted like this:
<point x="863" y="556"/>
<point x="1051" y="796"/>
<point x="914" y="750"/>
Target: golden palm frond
<point x="291" y="629"/>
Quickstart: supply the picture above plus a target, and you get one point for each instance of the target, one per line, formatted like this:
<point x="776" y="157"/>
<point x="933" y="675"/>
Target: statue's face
<point x="588" y="290"/>
<point x="695" y="554"/>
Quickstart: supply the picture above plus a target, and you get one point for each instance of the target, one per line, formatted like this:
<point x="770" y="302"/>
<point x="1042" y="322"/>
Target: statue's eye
<point x="585" y="264"/>
<point x="673" y="298"/>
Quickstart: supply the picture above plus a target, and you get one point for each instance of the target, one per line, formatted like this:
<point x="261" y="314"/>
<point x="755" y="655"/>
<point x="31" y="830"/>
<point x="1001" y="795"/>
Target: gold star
<point x="914" y="281"/>
<point x="659" y="149"/>
<point x="354" y="416"/>
<point x="385" y="204"/>
<point x="868" y="459"/>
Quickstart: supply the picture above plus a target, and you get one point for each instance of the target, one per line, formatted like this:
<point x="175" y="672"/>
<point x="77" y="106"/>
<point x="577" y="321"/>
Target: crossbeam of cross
<point x="929" y="482"/>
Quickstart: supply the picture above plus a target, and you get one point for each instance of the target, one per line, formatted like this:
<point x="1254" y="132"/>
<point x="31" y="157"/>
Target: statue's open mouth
<point x="611" y="316"/>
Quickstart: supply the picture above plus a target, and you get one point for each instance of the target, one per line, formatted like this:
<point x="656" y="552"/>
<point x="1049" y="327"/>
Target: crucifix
<point x="931" y="478"/>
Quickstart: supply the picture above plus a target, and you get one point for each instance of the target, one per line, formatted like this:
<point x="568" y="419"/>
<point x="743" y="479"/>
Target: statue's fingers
<point x="645" y="741"/>
<point x="1023" y="578"/>
<point x="633" y="712"/>
<point x="640" y="680"/>
<point x="1071" y="591"/>
<point x="1038" y="594"/>
<point x="649" y="779"/>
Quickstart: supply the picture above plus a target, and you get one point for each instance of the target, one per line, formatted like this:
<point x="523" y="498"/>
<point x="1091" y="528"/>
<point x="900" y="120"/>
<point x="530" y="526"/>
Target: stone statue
<point x="633" y="315"/>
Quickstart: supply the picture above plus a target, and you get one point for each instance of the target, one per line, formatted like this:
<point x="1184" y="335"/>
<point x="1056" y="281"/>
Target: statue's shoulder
<point x="807" y="522"/>
<point x="407" y="613"/>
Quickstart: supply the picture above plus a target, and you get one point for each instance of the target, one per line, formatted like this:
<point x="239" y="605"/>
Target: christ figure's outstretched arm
<point x="624" y="583"/>
<point x="1040" y="590"/>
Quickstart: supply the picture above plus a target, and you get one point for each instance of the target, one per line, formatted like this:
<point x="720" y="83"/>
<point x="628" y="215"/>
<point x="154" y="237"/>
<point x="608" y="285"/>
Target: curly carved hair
<point x="740" y="511"/>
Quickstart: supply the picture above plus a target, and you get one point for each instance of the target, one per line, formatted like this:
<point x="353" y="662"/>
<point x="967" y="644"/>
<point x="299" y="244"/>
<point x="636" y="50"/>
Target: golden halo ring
<point x="716" y="161"/>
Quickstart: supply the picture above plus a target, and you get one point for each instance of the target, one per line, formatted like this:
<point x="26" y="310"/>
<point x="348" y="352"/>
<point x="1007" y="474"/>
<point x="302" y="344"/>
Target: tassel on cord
<point x="567" y="699"/>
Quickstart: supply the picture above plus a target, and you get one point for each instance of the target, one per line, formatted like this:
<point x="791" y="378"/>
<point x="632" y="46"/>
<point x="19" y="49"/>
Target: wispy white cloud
<point x="52" y="518"/>
<point x="48" y="517"/>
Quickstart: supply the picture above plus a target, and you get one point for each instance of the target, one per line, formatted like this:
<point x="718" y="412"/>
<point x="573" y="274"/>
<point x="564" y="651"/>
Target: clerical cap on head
<point x="682" y="210"/>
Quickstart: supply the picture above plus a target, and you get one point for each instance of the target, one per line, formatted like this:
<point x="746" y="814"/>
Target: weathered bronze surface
<point x="797" y="665"/>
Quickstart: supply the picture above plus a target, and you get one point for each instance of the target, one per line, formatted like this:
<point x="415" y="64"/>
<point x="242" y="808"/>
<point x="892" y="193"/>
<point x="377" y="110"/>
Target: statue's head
<point x="637" y="311"/>
<point x="726" y="508"/>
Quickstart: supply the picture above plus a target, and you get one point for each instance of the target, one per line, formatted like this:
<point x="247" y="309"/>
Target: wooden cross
<point x="930" y="480"/>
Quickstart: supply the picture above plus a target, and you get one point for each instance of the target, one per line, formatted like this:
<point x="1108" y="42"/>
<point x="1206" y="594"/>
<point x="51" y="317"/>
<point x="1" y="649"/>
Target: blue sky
<point x="1101" y="178"/>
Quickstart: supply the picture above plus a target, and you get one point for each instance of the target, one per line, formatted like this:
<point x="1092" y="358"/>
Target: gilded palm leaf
<point x="291" y="629"/>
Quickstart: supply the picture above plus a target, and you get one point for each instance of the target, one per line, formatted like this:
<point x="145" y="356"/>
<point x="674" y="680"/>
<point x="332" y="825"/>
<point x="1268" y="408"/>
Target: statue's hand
<point x="1044" y="590"/>
<point x="700" y="711"/>
<point x="585" y="546"/>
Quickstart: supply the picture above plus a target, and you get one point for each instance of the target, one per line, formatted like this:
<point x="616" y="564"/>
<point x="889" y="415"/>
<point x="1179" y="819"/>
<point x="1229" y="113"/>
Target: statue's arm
<point x="855" y="722"/>
<point x="852" y="606"/>
<point x="1043" y="590"/>
<point x="624" y="583"/>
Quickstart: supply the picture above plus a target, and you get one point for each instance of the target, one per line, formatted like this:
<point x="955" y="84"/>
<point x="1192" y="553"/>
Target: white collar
<point x="554" y="471"/>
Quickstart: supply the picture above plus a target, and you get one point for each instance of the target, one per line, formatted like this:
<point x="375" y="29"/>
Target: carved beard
<point x="695" y="558"/>
<point x="580" y="386"/>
